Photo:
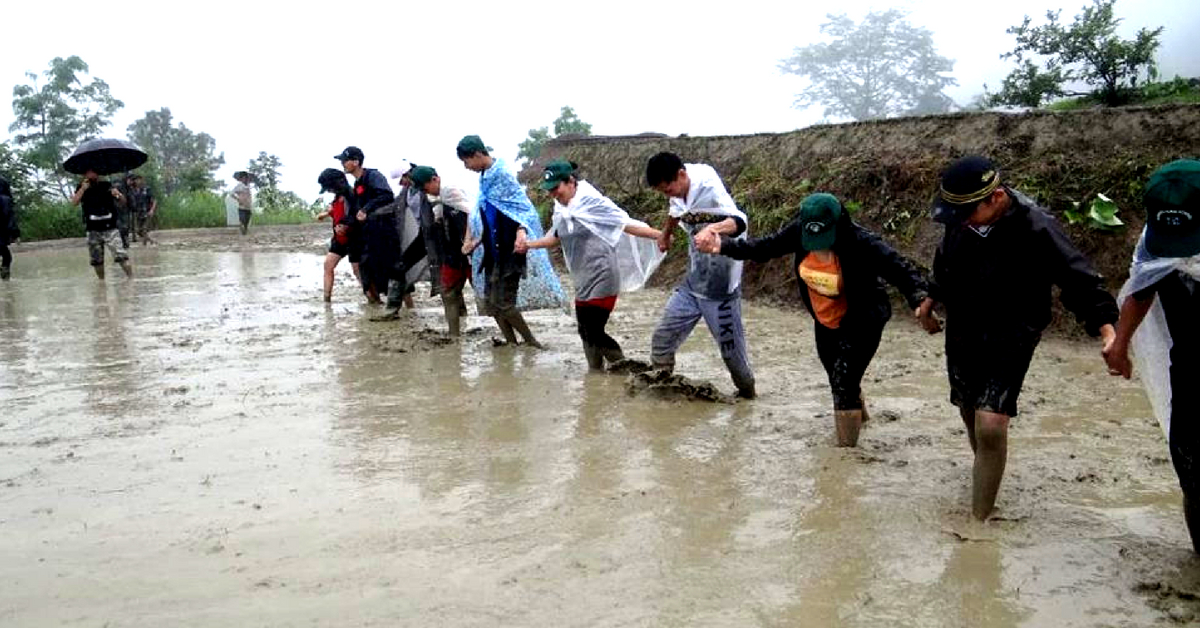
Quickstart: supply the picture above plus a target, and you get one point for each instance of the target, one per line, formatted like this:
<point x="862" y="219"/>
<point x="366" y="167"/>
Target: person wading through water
<point x="993" y="270"/>
<point x="1160" y="309"/>
<point x="345" y="241"/>
<point x="450" y="213"/>
<point x="598" y="245"/>
<point x="369" y="193"/>
<point x="841" y="269"/>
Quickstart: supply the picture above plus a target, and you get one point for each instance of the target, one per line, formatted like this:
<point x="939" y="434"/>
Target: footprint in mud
<point x="675" y="387"/>
<point x="1183" y="607"/>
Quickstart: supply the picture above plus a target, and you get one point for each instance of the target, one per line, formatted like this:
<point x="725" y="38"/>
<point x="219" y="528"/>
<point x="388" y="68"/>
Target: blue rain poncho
<point x="540" y="288"/>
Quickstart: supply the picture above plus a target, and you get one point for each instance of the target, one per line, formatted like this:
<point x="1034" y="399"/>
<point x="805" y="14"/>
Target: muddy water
<point x="211" y="445"/>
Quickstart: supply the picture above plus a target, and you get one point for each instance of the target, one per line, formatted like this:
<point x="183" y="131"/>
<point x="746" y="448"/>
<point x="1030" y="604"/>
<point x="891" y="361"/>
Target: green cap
<point x="422" y="175"/>
<point x="556" y="172"/>
<point x="819" y="215"/>
<point x="471" y="144"/>
<point x="1172" y="199"/>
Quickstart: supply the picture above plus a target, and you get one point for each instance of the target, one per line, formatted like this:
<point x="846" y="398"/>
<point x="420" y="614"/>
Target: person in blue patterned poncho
<point x="506" y="282"/>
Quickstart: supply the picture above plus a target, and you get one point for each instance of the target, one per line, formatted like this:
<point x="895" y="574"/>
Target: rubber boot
<point x="5" y="273"/>
<point x="99" y="271"/>
<point x="613" y="355"/>
<point x="127" y="266"/>
<point x="595" y="357"/>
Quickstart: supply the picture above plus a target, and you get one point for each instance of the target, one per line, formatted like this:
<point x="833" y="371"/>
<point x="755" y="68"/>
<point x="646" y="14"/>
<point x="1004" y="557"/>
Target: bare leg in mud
<point x="331" y="262"/>
<point x="988" y="434"/>
<point x="848" y="423"/>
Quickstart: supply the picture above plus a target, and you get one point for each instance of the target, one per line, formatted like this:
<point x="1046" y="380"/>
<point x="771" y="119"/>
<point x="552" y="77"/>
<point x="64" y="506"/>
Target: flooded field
<point x="209" y="444"/>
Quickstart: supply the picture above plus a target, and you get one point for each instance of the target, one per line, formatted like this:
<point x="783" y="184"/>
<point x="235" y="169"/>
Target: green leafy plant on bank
<point x="1101" y="214"/>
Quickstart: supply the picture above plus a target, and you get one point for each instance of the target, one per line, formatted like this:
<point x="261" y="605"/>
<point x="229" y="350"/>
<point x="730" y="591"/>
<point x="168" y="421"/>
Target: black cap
<point x="351" y="152"/>
<point x="964" y="185"/>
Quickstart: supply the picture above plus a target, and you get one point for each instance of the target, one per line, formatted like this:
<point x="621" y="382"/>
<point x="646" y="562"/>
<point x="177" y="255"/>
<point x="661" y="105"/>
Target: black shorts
<point x="987" y="371"/>
<point x="845" y="353"/>
<point x="351" y="249"/>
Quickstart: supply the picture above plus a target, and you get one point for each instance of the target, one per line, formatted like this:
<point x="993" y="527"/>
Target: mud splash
<point x="210" y="444"/>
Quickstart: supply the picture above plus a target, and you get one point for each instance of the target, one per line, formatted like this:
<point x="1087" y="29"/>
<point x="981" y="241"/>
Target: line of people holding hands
<point x="992" y="275"/>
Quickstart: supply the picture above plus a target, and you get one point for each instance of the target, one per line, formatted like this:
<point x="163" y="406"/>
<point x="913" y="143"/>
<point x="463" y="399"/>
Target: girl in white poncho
<point x="1160" y="313"/>
<point x="606" y="251"/>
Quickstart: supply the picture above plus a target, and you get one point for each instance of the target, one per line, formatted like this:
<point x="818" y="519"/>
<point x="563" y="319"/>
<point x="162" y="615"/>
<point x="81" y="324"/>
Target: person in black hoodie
<point x="9" y="231"/>
<point x="993" y="270"/>
<point x="841" y="268"/>
<point x="381" y="246"/>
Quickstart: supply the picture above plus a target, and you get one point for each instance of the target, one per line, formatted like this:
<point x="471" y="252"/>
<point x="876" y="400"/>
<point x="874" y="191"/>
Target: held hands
<point x="664" y="241"/>
<point x="1116" y="354"/>
<point x="361" y="216"/>
<point x="521" y="246"/>
<point x="469" y="245"/>
<point x="340" y="229"/>
<point x="929" y="321"/>
<point x="115" y="193"/>
<point x="708" y="241"/>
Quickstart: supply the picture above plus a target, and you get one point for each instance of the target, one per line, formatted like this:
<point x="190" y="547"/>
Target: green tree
<point x="265" y="170"/>
<point x="1087" y="51"/>
<point x="54" y="116"/>
<point x="27" y="191"/>
<point x="180" y="159"/>
<point x="880" y="67"/>
<point x="567" y="123"/>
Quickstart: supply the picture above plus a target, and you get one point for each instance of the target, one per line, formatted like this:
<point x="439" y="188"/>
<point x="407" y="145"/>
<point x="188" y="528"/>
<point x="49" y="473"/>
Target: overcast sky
<point x="405" y="80"/>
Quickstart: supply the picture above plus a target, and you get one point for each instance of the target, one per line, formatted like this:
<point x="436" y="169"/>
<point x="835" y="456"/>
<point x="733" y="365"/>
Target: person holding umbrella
<point x="99" y="199"/>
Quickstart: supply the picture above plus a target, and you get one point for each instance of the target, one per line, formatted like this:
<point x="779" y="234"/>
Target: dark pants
<point x="597" y="344"/>
<point x="1184" y="439"/>
<point x="5" y="259"/>
<point x="244" y="219"/>
<point x="845" y="353"/>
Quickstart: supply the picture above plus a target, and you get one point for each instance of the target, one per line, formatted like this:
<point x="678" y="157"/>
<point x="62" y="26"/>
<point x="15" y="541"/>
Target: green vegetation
<point x="184" y="210"/>
<point x="1176" y="91"/>
<point x="567" y="123"/>
<point x="1088" y="51"/>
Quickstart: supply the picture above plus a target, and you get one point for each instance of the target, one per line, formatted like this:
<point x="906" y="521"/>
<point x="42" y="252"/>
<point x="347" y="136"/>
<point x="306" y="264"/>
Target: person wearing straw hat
<point x="998" y="259"/>
<point x="244" y="198"/>
<point x="1160" y="306"/>
<point x="601" y="251"/>
<point x="99" y="200"/>
<point x="840" y="269"/>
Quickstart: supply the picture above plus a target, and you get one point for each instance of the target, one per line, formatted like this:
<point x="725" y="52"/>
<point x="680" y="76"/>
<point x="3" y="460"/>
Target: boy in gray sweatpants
<point x="712" y="289"/>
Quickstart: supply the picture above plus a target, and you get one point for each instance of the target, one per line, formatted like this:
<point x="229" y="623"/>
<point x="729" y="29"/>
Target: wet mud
<point x="209" y="444"/>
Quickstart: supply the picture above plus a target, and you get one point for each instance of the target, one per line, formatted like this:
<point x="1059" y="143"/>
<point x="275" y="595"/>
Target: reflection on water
<point x="341" y="469"/>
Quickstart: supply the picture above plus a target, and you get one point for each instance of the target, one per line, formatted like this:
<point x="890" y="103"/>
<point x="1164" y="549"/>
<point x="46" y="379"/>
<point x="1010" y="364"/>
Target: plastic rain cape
<point x="1152" y="340"/>
<point x="637" y="258"/>
<point x="540" y="288"/>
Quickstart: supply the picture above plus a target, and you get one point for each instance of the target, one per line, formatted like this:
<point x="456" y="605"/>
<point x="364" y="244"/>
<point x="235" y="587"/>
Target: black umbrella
<point x="104" y="156"/>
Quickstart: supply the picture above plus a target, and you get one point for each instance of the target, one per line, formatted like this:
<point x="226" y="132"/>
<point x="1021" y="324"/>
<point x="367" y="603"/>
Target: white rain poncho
<point x="637" y="258"/>
<point x="1152" y="340"/>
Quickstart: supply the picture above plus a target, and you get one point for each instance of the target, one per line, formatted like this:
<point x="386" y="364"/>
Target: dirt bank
<point x="211" y="445"/>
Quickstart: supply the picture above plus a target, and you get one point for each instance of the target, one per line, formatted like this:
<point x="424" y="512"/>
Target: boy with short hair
<point x="450" y="213"/>
<point x="700" y="204"/>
